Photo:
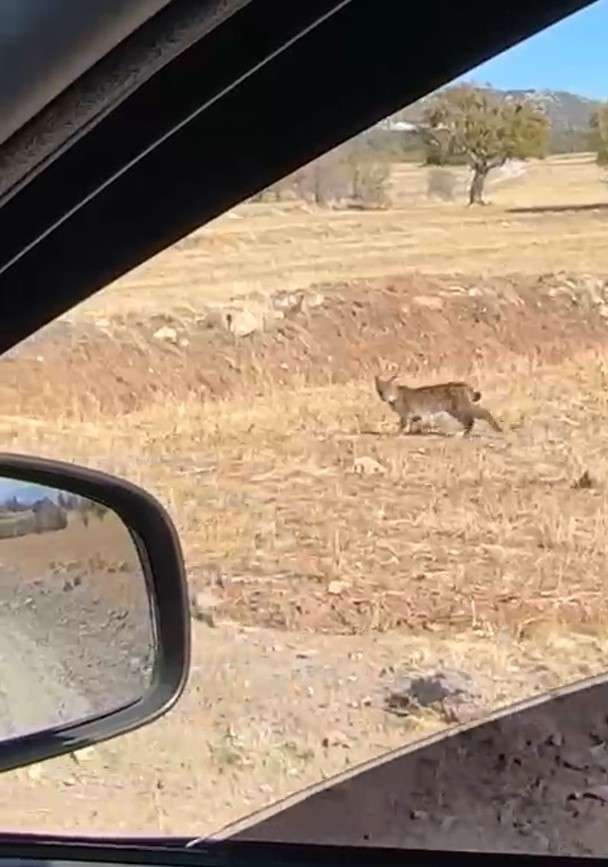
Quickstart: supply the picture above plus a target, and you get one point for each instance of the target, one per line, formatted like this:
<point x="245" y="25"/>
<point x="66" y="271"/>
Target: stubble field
<point x="332" y="555"/>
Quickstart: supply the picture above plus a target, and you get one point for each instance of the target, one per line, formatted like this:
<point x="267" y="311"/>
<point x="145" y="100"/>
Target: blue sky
<point x="25" y="491"/>
<point x="570" y="55"/>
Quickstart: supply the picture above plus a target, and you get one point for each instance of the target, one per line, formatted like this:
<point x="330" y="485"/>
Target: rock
<point x="287" y="302"/>
<point x="314" y="299"/>
<point x="34" y="771"/>
<point x="335" y="739"/>
<point x="337" y="587"/>
<point x="366" y="466"/>
<point x="430" y="302"/>
<point x="243" y="322"/>
<point x="83" y="755"/>
<point x="202" y="607"/>
<point x="166" y="333"/>
<point x="204" y="599"/>
<point x="293" y="303"/>
<point x="584" y="482"/>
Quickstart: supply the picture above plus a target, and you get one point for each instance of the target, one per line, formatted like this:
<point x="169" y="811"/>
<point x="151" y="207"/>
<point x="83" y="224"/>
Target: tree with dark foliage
<point x="485" y="130"/>
<point x="599" y="135"/>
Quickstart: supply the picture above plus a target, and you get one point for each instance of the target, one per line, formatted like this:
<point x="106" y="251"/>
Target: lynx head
<point x="387" y="389"/>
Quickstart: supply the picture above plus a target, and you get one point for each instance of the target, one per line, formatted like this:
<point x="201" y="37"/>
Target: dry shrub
<point x="441" y="184"/>
<point x="370" y="179"/>
<point x="282" y="190"/>
<point x="353" y="174"/>
<point x="326" y="180"/>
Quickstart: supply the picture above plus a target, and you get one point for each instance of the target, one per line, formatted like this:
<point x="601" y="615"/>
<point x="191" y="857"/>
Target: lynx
<point x="415" y="405"/>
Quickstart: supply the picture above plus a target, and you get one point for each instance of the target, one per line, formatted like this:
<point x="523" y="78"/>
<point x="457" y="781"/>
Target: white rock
<point x="337" y="587"/>
<point x="244" y="322"/>
<point x="431" y="302"/>
<point x="166" y="333"/>
<point x="83" y="755"/>
<point x="315" y="299"/>
<point x="366" y="466"/>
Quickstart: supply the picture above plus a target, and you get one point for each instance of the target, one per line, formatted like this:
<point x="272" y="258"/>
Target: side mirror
<point x="94" y="619"/>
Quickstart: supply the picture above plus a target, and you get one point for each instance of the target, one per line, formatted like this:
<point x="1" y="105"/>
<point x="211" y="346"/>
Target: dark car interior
<point x="117" y="138"/>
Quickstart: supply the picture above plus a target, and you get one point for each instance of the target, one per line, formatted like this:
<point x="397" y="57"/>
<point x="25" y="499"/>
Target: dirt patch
<point x="532" y="782"/>
<point x="264" y="715"/>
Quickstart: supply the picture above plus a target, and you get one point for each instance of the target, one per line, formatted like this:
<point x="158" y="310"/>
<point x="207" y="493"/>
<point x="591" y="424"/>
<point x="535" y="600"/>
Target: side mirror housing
<point x="94" y="617"/>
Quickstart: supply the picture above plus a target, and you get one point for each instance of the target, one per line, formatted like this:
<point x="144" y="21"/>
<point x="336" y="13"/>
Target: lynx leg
<point x="415" y="424"/>
<point x="467" y="419"/>
<point x="406" y="423"/>
<point x="467" y="422"/>
<point x="485" y="415"/>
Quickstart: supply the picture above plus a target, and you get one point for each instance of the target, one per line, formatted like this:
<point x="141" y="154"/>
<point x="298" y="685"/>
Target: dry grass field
<point x="327" y="574"/>
<point x="267" y="247"/>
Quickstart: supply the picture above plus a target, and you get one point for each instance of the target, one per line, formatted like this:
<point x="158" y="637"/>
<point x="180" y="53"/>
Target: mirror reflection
<point x="77" y="636"/>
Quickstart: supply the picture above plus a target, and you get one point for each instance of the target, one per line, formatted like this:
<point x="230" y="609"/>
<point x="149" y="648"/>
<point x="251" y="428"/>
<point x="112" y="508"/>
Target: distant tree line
<point x="65" y="502"/>
<point x="43" y="516"/>
<point x="84" y="507"/>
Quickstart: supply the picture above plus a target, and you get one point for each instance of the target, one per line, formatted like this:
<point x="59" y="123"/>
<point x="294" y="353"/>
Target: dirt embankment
<point x="416" y="322"/>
